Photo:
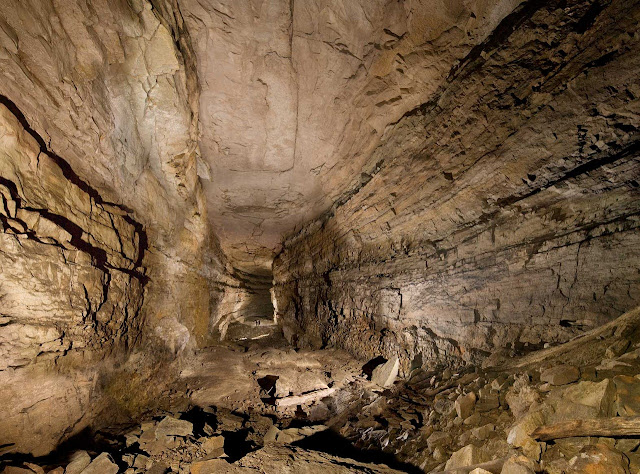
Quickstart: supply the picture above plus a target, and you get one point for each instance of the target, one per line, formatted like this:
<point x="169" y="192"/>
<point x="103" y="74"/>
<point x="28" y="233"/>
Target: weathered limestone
<point x="502" y="212"/>
<point x="105" y="240"/>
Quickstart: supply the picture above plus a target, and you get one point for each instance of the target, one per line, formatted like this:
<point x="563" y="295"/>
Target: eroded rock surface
<point x="501" y="213"/>
<point x="297" y="94"/>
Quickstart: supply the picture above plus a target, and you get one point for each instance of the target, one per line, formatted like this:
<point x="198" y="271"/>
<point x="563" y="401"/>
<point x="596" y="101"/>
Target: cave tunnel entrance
<point x="254" y="317"/>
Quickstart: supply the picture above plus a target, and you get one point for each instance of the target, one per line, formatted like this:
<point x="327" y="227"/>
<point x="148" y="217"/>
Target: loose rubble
<point x="529" y="415"/>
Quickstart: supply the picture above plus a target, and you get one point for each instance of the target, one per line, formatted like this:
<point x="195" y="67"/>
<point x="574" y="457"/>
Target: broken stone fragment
<point x="560" y="375"/>
<point x="464" y="405"/>
<point x="170" y="426"/>
<point x="213" y="445"/>
<point x="519" y="434"/>
<point x="617" y="349"/>
<point x="627" y="401"/>
<point x="103" y="464"/>
<point x="385" y="374"/>
<point x="488" y="402"/>
<point x="479" y="470"/>
<point x="438" y="438"/>
<point x="483" y="432"/>
<point x="467" y="456"/>
<point x="599" y="459"/>
<point x="141" y="461"/>
<point x="582" y="400"/>
<point x="518" y="465"/>
<point x="79" y="460"/>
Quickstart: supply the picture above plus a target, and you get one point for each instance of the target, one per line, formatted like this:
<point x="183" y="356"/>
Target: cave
<point x="308" y="236"/>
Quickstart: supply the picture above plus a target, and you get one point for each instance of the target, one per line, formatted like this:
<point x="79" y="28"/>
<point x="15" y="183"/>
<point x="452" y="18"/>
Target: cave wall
<point x="107" y="261"/>
<point x="500" y="213"/>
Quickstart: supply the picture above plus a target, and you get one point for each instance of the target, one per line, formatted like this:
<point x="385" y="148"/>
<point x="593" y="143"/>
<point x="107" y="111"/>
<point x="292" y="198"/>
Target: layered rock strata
<point x="106" y="243"/>
<point x="501" y="212"/>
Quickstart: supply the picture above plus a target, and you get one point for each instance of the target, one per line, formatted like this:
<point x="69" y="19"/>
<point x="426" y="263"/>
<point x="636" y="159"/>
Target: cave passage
<point x="338" y="236"/>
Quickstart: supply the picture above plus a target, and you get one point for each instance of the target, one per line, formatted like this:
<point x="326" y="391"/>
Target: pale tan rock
<point x="385" y="374"/>
<point x="170" y="426"/>
<point x="466" y="456"/>
<point x="79" y="461"/>
<point x="464" y="405"/>
<point x="518" y="465"/>
<point x="102" y="464"/>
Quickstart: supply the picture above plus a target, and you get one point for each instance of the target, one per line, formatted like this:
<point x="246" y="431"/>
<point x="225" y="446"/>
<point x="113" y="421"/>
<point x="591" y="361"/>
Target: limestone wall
<point x="502" y="212"/>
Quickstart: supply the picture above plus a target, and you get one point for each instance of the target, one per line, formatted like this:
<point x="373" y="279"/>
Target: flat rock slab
<point x="560" y="375"/>
<point x="170" y="426"/>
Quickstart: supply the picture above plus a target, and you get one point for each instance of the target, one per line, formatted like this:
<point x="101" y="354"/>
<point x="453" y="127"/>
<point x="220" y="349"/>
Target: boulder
<point x="464" y="405"/>
<point x="599" y="459"/>
<point x="518" y="465"/>
<point x="170" y="426"/>
<point x="627" y="395"/>
<point x="79" y="460"/>
<point x="438" y="438"/>
<point x="16" y="470"/>
<point x="141" y="461"/>
<point x="385" y="374"/>
<point x="213" y="445"/>
<point x="467" y="456"/>
<point x="483" y="432"/>
<point x="103" y="464"/>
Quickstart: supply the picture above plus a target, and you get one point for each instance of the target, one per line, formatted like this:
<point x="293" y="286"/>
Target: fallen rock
<point x="16" y="470"/>
<point x="560" y="375"/>
<point x="79" y="460"/>
<point x="214" y="445"/>
<point x="518" y="465"/>
<point x="170" y="426"/>
<point x="467" y="456"/>
<point x="599" y="459"/>
<point x="519" y="434"/>
<point x="141" y="461"/>
<point x="295" y="460"/>
<point x="483" y="432"/>
<point x="103" y="464"/>
<point x="598" y="395"/>
<point x="464" y="405"/>
<point x="385" y="374"/>
<point x="627" y="395"/>
<point x="438" y="438"/>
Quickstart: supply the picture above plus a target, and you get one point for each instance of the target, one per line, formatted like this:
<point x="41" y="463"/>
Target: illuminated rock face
<point x="434" y="178"/>
<point x="104" y="224"/>
<point x="296" y="95"/>
<point x="503" y="211"/>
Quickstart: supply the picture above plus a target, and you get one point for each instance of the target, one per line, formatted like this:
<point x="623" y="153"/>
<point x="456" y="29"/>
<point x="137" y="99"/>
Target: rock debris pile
<point x="568" y="409"/>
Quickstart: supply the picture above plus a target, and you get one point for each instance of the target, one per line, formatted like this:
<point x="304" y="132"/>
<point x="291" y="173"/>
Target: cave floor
<point x="260" y="406"/>
<point x="247" y="377"/>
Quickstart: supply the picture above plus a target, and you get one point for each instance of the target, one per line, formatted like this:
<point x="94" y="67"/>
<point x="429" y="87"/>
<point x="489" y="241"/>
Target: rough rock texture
<point x="102" y="212"/>
<point x="296" y="94"/>
<point x="502" y="211"/>
<point x="453" y="177"/>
